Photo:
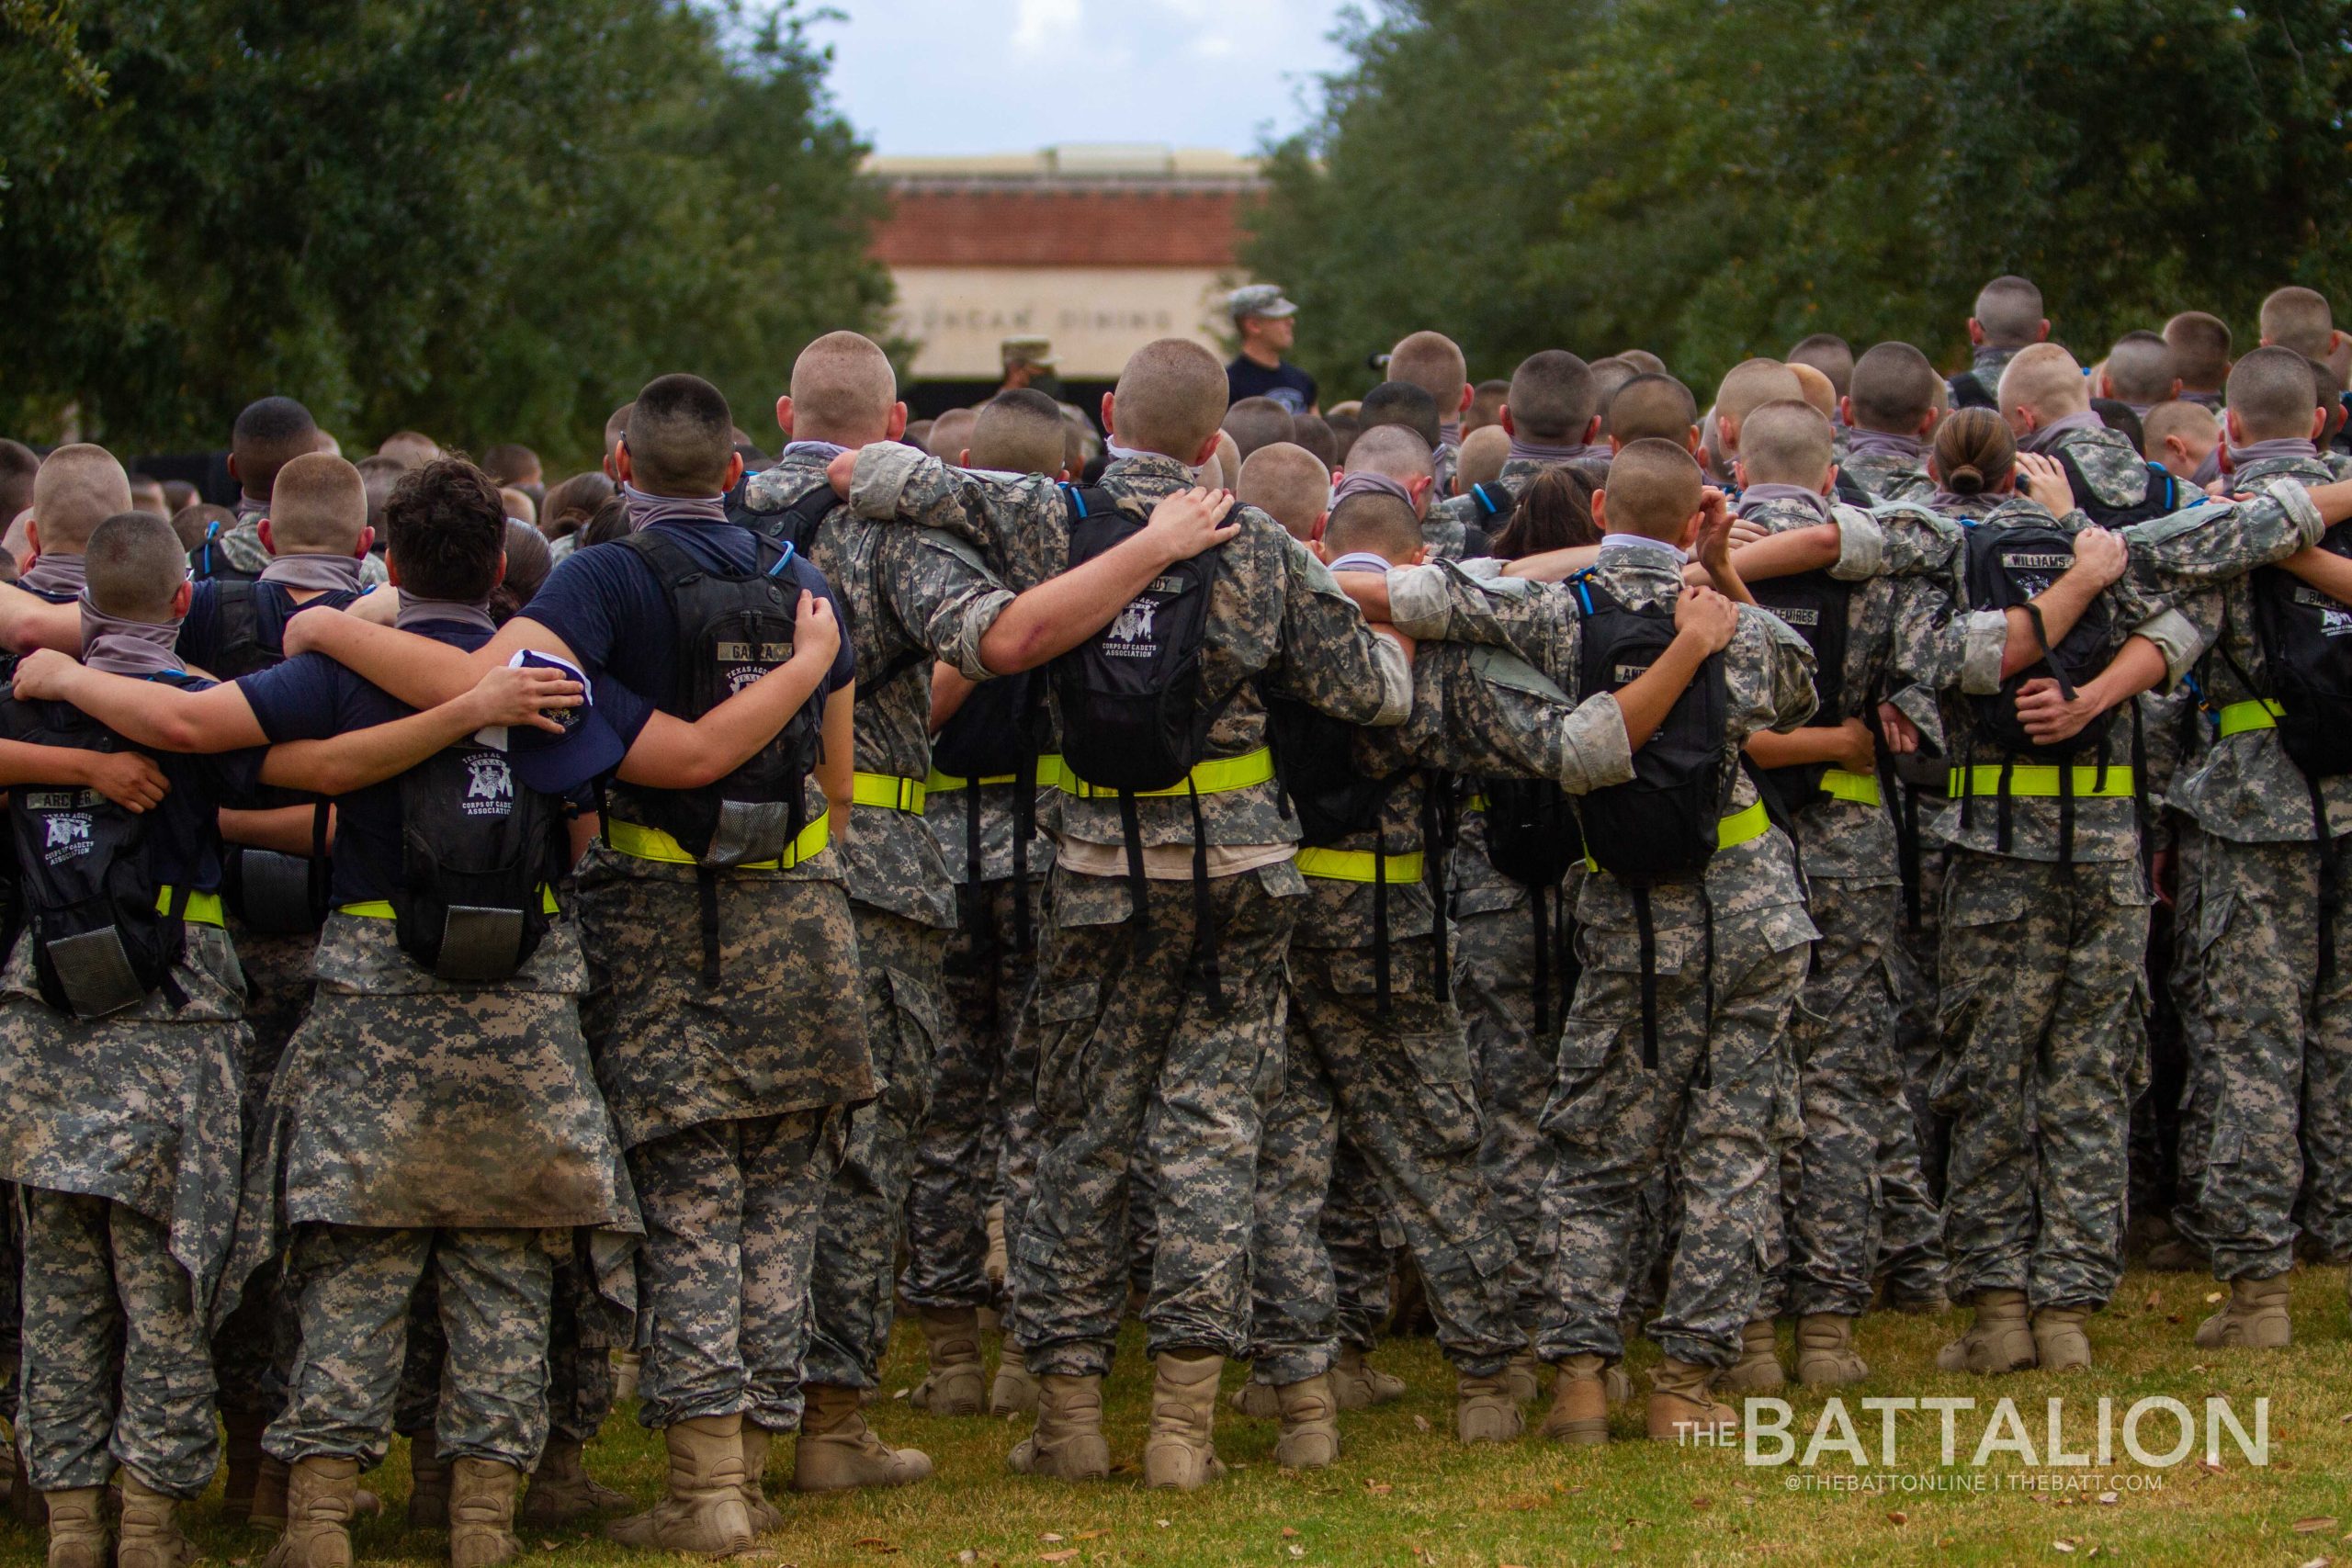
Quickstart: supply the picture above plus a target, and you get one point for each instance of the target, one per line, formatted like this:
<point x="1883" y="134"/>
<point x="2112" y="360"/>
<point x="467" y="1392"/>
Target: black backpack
<point x="1136" y="712"/>
<point x="100" y="943"/>
<point x="2306" y="641"/>
<point x="2157" y="494"/>
<point x="1663" y="824"/>
<point x="476" y="849"/>
<point x="998" y="733"/>
<point x="1969" y="391"/>
<point x="2006" y="566"/>
<point x="1815" y="605"/>
<point x="1533" y="838"/>
<point x="206" y="564"/>
<point x="733" y="628"/>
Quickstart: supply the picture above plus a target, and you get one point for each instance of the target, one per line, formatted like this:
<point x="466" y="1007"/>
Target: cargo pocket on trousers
<point x="1973" y="905"/>
<point x="1064" y="1019"/>
<point x="913" y="1066"/>
<point x="1447" y="1119"/>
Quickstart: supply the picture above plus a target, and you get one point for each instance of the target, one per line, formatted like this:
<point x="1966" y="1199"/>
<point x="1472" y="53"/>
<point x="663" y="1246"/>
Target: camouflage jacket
<point x="1985" y="366"/>
<point x="1837" y="837"/>
<point x="2243" y="788"/>
<point x="1274" y="611"/>
<point x="2110" y="465"/>
<point x="948" y="814"/>
<point x="240" y="547"/>
<point x="1477" y="711"/>
<point x="1890" y="475"/>
<point x="143" y="1107"/>
<point x="1768" y="676"/>
<point x="912" y="596"/>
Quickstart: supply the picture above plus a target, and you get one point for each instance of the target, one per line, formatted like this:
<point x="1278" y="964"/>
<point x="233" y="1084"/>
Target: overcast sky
<point x="1010" y="75"/>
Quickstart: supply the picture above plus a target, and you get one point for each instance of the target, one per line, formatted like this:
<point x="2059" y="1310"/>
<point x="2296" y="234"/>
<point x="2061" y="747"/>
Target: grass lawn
<point x="1407" y="1493"/>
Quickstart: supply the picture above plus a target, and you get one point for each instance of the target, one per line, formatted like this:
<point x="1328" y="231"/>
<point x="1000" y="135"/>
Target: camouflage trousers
<point x="356" y="1283"/>
<point x="1722" y="1079"/>
<point x="980" y="1137"/>
<point x="852" y="1287"/>
<point x="2194" y="1012"/>
<point x="1494" y="975"/>
<point x="2279" y="1043"/>
<point x="1839" y="1209"/>
<point x="1361" y="1237"/>
<point x="731" y="1232"/>
<point x="579" y="1359"/>
<point x="1912" y="961"/>
<point x="1401" y="1089"/>
<point x="1131" y="1051"/>
<point x="2042" y="989"/>
<point x="115" y="1362"/>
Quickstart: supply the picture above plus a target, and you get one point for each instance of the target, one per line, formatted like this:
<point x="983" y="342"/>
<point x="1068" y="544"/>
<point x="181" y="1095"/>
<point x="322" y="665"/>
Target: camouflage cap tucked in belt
<point x="1036" y="351"/>
<point x="1259" y="299"/>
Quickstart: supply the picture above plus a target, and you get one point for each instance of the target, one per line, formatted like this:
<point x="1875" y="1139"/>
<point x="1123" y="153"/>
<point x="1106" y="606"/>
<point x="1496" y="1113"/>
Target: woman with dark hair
<point x="1553" y="513"/>
<point x="1974" y="465"/>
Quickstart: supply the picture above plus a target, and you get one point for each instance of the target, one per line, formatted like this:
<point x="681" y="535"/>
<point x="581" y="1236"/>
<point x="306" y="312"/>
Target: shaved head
<point x="2044" y="381"/>
<point x="18" y="467"/>
<point x="1894" y="389"/>
<point x="1787" y="444"/>
<point x="2008" y="309"/>
<point x="1750" y="385"/>
<point x="1289" y="484"/>
<point x="2200" y="350"/>
<point x="1653" y="490"/>
<point x="1392" y="449"/>
<point x="1830" y="355"/>
<point x="615" y="426"/>
<point x="2299" y="319"/>
<point x="1170" y="398"/>
<point x="1433" y="362"/>
<point x="320" y="507"/>
<point x="1486" y="405"/>
<point x="1021" y="431"/>
<point x="681" y="437"/>
<point x="2139" y="369"/>
<point x="1254" y="422"/>
<point x="412" y="447"/>
<point x="951" y="435"/>
<point x="1642" y="360"/>
<point x="1552" y="398"/>
<point x="136" y="566"/>
<point x="1608" y="378"/>
<point x="843" y="391"/>
<point x="2273" y="395"/>
<point x="1480" y="461"/>
<point x="1653" y="408"/>
<point x="269" y="433"/>
<point x="78" y="488"/>
<point x="1819" y="391"/>
<point x="1400" y="402"/>
<point x="1376" y="522"/>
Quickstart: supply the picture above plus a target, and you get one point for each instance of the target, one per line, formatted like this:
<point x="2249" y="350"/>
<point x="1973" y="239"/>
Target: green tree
<point x="492" y="222"/>
<point x="1711" y="181"/>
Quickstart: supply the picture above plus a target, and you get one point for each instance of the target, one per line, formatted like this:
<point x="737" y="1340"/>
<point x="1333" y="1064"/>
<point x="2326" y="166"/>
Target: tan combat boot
<point x="1682" y="1408"/>
<point x="150" y="1536"/>
<point x="1579" y="1412"/>
<point x="1484" y="1410"/>
<point x="481" y="1513"/>
<point x="838" y="1450"/>
<point x="765" y="1516"/>
<point x="241" y="1457"/>
<point x="2255" y="1318"/>
<point x="1757" y="1370"/>
<point x="1259" y="1402"/>
<point x="1068" y="1443"/>
<point x="1825" y="1350"/>
<point x="77" y="1528"/>
<point x="1523" y="1376"/>
<point x="1179" y="1446"/>
<point x="1310" y="1417"/>
<point x="952" y="1387"/>
<point x="2000" y="1339"/>
<point x="1015" y="1392"/>
<point x="428" y="1482"/>
<point x="319" y="1506"/>
<point x="703" y="1511"/>
<point x="2062" y="1342"/>
<point x="1359" y="1385"/>
<point x="561" y="1489"/>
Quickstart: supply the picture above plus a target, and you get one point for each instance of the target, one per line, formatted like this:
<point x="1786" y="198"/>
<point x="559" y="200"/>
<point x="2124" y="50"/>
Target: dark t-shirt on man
<point x="1286" y="384"/>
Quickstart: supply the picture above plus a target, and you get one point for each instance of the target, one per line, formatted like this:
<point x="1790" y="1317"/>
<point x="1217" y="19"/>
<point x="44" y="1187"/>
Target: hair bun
<point x="1965" y="479"/>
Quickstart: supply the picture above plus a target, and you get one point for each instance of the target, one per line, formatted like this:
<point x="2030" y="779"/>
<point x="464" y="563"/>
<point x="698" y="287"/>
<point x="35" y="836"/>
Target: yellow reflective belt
<point x="1477" y="803"/>
<point x="2039" y="779"/>
<point x="1750" y="822"/>
<point x="2239" y="717"/>
<point x="887" y="791"/>
<point x="1214" y="777"/>
<point x="1357" y="866"/>
<point x="641" y="842"/>
<point x="381" y="908"/>
<point x="1049" y="776"/>
<point x="204" y="908"/>
<point x="1860" y="788"/>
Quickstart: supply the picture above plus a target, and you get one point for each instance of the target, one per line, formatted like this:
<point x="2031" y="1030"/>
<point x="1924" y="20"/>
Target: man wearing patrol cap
<point x="1029" y="362"/>
<point x="1264" y="320"/>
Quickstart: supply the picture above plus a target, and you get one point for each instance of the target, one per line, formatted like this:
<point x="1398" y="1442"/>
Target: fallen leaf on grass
<point x="2110" y="1498"/>
<point x="2151" y="1302"/>
<point x="1297" y="1550"/>
<point x="2317" y="1562"/>
<point x="2062" y="1545"/>
<point x="1289" y="1534"/>
<point x="1051" y="1538"/>
<point x="1897" y="1517"/>
<point x="901" y="1394"/>
<point x="2197" y="1368"/>
<point x="2212" y="1467"/>
<point x="1701" y="1504"/>
<point x="1089" y="1535"/>
<point x="2316" y="1525"/>
<point x="2213" y="1296"/>
<point x="1421" y="1423"/>
<point x="967" y="1555"/>
<point x="1164" y="1524"/>
<point x="1381" y="1488"/>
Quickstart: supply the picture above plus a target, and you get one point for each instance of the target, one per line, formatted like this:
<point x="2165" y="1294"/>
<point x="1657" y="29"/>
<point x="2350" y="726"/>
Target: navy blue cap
<point x="587" y="750"/>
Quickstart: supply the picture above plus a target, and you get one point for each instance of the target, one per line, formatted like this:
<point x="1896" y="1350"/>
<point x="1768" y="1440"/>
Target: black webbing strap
<point x="321" y="869"/>
<point x="2002" y="813"/>
<point x="1648" y="933"/>
<point x="1704" y="1078"/>
<point x="178" y="915"/>
<point x="1204" y="907"/>
<point x="2331" y="886"/>
<point x="1434" y="854"/>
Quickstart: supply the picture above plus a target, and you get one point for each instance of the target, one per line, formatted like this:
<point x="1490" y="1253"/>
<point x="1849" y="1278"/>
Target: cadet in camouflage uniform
<point x="1841" y="1033"/>
<point x="1553" y="412"/>
<point x="2274" y="1035"/>
<point x="1128" y="1050"/>
<point x="1723" y="1074"/>
<point x="2046" y="400"/>
<point x="1890" y="409"/>
<point x="2008" y="317"/>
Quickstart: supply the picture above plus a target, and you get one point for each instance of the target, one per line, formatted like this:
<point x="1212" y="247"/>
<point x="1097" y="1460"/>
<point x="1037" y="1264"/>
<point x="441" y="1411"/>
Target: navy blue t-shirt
<point x="611" y="610"/>
<point x="1286" y="384"/>
<point x="184" y="830"/>
<point x="202" y="631"/>
<point x="313" y="698"/>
